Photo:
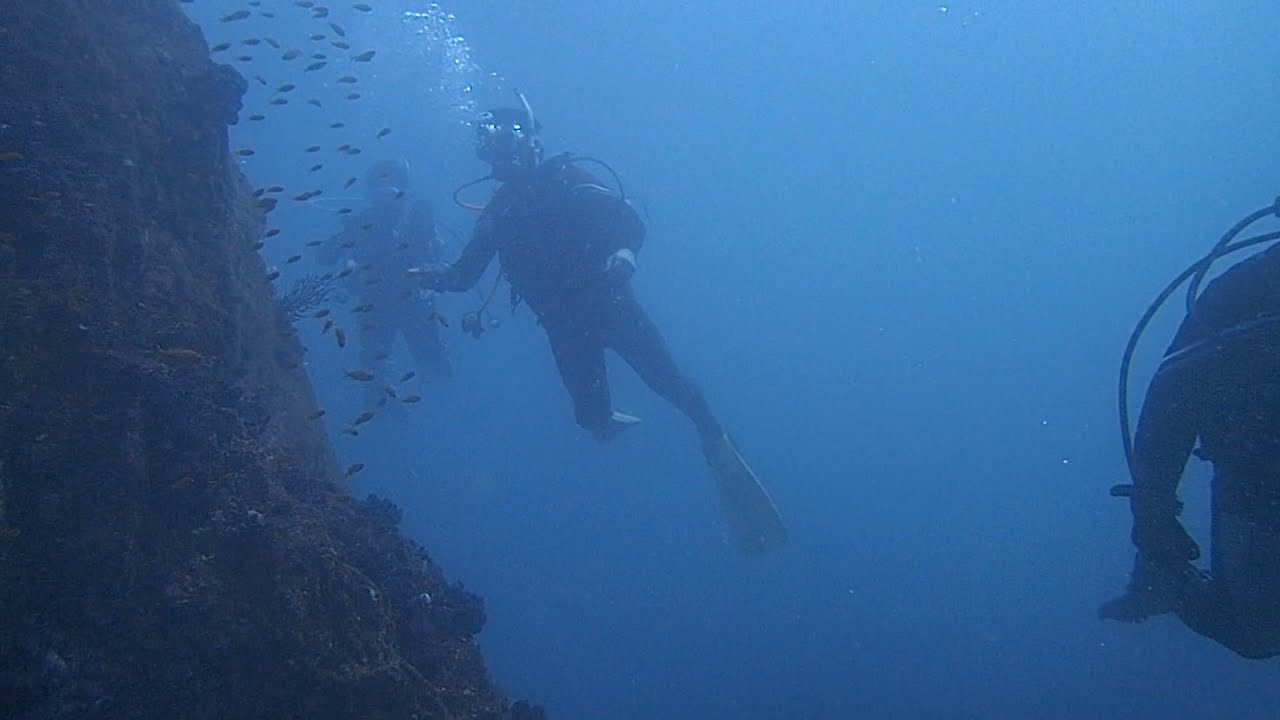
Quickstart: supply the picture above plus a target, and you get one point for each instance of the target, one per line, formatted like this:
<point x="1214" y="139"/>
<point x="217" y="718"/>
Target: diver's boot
<point x="618" y="422"/>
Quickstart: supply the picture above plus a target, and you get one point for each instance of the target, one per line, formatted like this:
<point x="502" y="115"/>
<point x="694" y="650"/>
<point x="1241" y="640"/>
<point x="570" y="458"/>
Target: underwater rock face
<point x="174" y="537"/>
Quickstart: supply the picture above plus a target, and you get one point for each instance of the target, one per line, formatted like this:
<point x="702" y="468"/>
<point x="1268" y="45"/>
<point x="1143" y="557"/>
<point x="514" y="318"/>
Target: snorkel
<point x="528" y="110"/>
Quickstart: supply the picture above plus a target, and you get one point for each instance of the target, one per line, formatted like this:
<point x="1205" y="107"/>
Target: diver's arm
<point x="630" y="228"/>
<point x="425" y="223"/>
<point x="615" y="226"/>
<point x="332" y="250"/>
<point x="1166" y="434"/>
<point x="1168" y="425"/>
<point x="621" y="263"/>
<point x="463" y="274"/>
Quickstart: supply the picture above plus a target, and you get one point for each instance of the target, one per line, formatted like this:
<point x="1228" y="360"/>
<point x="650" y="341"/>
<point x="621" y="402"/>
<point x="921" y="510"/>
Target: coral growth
<point x="306" y="294"/>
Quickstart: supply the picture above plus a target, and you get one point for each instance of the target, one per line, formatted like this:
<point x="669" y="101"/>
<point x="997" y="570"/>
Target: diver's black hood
<point x="509" y="117"/>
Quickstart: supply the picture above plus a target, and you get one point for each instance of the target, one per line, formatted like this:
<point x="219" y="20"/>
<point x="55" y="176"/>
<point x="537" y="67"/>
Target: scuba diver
<point x="567" y="244"/>
<point x="1219" y="382"/>
<point x="377" y="245"/>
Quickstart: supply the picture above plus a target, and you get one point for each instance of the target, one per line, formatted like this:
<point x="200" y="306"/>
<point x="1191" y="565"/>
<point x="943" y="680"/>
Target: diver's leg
<point x="753" y="519"/>
<point x="1246" y="568"/>
<point x="1254" y="587"/>
<point x="638" y="341"/>
<point x="580" y="359"/>
<point x="375" y="344"/>
<point x="375" y="347"/>
<point x="1240" y="606"/>
<point x="422" y="335"/>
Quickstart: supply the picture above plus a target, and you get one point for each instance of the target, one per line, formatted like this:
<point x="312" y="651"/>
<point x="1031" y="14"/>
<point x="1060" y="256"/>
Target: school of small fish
<point x="305" y="71"/>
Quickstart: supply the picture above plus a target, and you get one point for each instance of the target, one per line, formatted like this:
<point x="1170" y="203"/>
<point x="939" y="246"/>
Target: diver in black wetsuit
<point x="1220" y="382"/>
<point x="567" y="244"/>
<point x="568" y="247"/>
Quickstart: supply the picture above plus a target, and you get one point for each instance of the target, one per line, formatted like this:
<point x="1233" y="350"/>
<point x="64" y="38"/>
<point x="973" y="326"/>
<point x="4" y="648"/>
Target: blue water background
<point x="900" y="245"/>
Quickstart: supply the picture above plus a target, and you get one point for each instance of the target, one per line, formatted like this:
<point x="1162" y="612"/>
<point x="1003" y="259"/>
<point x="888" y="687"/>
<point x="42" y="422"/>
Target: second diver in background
<point x="395" y="230"/>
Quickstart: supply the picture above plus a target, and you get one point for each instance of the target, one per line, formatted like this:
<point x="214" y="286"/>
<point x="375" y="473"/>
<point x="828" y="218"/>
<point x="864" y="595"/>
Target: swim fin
<point x="753" y="518"/>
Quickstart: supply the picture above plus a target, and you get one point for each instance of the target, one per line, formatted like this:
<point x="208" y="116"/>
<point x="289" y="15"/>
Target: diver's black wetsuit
<point x="553" y="232"/>
<point x="1220" y="382"/>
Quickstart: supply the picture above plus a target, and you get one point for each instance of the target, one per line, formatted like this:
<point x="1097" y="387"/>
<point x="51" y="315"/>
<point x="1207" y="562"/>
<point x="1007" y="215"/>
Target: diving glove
<point x="1157" y="534"/>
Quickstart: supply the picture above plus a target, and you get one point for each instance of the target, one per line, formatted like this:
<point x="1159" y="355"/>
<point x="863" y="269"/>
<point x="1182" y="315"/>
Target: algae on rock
<point x="174" y="537"/>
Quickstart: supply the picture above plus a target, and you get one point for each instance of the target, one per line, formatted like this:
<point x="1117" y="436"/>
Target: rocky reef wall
<point x="175" y="540"/>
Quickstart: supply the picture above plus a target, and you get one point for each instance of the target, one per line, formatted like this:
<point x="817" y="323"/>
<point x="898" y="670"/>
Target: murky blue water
<point x="901" y="245"/>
